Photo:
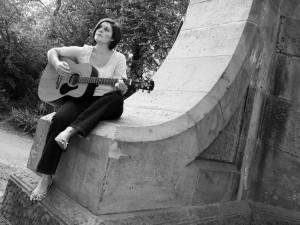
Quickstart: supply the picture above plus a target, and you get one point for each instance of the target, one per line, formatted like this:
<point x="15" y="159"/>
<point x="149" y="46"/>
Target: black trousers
<point x="83" y="114"/>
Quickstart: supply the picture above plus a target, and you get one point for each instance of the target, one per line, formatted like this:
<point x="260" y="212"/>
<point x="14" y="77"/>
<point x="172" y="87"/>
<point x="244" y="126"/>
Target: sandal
<point x="63" y="144"/>
<point x="40" y="196"/>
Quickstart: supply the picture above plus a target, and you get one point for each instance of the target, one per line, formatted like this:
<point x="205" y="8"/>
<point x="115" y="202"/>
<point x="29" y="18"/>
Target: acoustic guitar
<point x="53" y="86"/>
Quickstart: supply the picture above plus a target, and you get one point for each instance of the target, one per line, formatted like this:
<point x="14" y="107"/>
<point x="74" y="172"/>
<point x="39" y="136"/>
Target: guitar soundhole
<point x="74" y="79"/>
<point x="64" y="89"/>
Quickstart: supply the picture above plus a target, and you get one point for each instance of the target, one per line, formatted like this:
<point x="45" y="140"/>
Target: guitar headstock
<point x="147" y="85"/>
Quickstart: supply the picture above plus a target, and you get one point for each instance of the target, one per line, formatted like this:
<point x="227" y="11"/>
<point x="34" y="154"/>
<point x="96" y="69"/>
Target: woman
<point x="81" y="115"/>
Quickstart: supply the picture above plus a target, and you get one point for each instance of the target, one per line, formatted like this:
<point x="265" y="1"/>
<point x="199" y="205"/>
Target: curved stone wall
<point x="192" y="138"/>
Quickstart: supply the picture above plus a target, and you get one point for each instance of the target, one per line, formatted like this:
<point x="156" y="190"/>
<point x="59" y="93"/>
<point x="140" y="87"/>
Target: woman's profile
<point x="81" y="115"/>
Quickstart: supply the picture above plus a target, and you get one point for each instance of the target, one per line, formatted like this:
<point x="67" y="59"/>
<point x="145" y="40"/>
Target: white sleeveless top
<point x="115" y="68"/>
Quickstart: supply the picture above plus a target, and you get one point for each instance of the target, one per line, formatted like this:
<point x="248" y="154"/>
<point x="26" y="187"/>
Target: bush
<point x="25" y="119"/>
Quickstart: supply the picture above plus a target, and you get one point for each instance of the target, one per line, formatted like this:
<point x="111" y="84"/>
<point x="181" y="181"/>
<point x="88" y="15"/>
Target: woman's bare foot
<point x="63" y="138"/>
<point x="41" y="190"/>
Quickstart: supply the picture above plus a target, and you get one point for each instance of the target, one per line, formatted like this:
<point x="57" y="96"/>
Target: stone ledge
<point x="60" y="210"/>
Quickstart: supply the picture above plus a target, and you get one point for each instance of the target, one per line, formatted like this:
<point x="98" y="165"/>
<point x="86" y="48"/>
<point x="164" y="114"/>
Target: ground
<point x="14" y="151"/>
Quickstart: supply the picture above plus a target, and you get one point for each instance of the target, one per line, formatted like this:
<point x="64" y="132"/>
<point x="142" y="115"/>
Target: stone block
<point x="245" y="164"/>
<point x="223" y="148"/>
<point x="281" y="125"/>
<point x="263" y="214"/>
<point x="195" y="74"/>
<point x="57" y="209"/>
<point x="265" y="14"/>
<point x="216" y="182"/>
<point x="39" y="141"/>
<point x="93" y="169"/>
<point x="222" y="12"/>
<point x="291" y="8"/>
<point x="212" y="41"/>
<point x="277" y="178"/>
<point x="289" y="36"/>
<point x="286" y="80"/>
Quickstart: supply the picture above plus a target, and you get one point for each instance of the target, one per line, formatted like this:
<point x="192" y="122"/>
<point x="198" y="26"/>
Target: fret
<point x="98" y="80"/>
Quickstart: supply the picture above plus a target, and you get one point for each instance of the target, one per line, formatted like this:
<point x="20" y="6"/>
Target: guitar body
<point x="53" y="87"/>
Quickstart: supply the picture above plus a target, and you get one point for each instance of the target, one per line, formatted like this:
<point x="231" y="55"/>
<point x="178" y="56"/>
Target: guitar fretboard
<point x="98" y="80"/>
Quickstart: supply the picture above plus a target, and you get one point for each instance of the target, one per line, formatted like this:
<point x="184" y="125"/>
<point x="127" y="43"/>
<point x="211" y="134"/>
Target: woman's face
<point x="104" y="33"/>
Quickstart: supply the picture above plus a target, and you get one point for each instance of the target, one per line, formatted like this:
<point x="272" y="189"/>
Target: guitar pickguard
<point x="65" y="88"/>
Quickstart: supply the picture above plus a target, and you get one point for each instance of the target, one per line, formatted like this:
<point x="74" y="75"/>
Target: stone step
<point x="58" y="209"/>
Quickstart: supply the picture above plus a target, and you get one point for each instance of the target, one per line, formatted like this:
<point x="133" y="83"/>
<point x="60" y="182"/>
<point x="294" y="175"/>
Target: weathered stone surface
<point x="215" y="214"/>
<point x="56" y="210"/>
<point x="146" y="167"/>
<point x="281" y="125"/>
<point x="265" y="14"/>
<point x="212" y="41"/>
<point x="277" y="178"/>
<point x="229" y="146"/>
<point x="209" y="184"/>
<point x="291" y="8"/>
<point x="223" y="148"/>
<point x="289" y="36"/>
<point x="286" y="80"/>
<point x="18" y="209"/>
<point x="272" y="159"/>
<point x="265" y="214"/>
<point x="214" y="13"/>
<point x="216" y="182"/>
<point x="39" y="141"/>
<point x="192" y="73"/>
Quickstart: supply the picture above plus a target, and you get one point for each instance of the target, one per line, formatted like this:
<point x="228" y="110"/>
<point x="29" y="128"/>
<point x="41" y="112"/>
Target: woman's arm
<point x="60" y="66"/>
<point x="120" y="72"/>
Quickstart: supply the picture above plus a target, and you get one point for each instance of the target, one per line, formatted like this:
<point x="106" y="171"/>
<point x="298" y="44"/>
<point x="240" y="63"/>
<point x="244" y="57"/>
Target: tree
<point x="20" y="65"/>
<point x="149" y="28"/>
<point x="29" y="28"/>
<point x="149" y="32"/>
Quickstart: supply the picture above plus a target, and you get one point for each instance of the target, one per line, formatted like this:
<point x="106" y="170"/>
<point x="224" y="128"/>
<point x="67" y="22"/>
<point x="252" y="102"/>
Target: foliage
<point x="152" y="26"/>
<point x="19" y="43"/>
<point x="29" y="28"/>
<point x="24" y="119"/>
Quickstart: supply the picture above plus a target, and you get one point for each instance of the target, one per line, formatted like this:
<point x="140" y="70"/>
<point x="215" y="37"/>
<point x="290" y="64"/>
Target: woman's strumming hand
<point x="62" y="68"/>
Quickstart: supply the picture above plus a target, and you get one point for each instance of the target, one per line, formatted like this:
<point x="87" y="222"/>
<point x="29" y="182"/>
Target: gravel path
<point x="14" y="151"/>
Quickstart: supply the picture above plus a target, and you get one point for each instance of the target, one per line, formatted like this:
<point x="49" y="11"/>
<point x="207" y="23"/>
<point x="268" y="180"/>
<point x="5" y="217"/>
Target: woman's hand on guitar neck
<point x="121" y="86"/>
<point x="62" y="68"/>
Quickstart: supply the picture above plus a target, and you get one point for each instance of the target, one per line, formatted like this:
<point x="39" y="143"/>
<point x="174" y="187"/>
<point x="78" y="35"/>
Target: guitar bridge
<point x="58" y="81"/>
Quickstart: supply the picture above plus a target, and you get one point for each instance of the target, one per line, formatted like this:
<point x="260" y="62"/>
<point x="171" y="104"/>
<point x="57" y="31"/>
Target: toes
<point x="61" y="142"/>
<point x="37" y="197"/>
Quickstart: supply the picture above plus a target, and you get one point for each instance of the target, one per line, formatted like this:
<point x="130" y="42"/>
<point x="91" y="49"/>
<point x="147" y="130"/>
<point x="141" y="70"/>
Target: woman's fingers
<point x="121" y="86"/>
<point x="63" y="68"/>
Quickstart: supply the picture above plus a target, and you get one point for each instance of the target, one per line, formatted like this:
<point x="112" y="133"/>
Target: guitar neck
<point x="98" y="80"/>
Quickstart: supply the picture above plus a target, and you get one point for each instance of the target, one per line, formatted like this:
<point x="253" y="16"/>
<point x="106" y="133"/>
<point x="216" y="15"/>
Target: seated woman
<point x="81" y="115"/>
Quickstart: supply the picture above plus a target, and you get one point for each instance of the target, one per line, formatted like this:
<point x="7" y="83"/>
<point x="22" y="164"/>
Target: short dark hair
<point x="116" y="32"/>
